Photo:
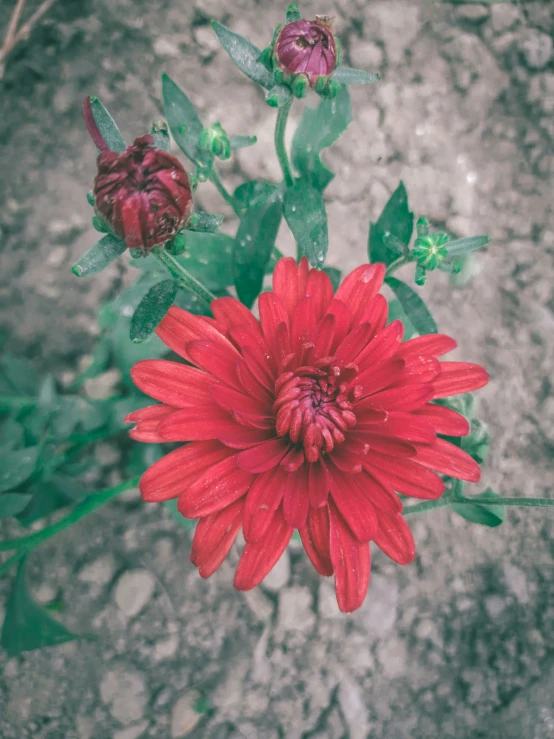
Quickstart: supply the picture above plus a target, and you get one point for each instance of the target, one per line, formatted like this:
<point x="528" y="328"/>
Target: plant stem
<point x="184" y="278"/>
<point x="82" y="509"/>
<point x="280" y="148"/>
<point x="222" y="190"/>
<point x="430" y="505"/>
<point x="393" y="266"/>
<point x="13" y="560"/>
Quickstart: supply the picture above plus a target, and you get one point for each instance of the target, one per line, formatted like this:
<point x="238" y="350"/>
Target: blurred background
<point x="458" y="644"/>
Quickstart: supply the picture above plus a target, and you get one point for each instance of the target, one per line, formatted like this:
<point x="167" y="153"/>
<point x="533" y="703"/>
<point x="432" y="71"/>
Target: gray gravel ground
<point x="457" y="645"/>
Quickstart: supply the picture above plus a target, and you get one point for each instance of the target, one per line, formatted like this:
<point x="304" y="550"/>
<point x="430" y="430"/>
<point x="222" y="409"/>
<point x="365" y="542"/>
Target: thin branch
<point x="13" y="37"/>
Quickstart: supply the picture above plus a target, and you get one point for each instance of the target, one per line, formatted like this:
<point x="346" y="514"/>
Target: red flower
<point x="143" y="193"/>
<point x="311" y="418"/>
<point x="307" y="47"/>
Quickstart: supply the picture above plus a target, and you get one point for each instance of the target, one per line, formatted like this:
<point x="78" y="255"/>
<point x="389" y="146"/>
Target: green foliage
<point x="16" y="467"/>
<point x="253" y="246"/>
<point x="278" y="95"/>
<point x="253" y="193"/>
<point x="106" y="125"/>
<point x="244" y="54"/>
<point x="205" y="222"/>
<point x="151" y="309"/>
<point x="184" y="122"/>
<point x="396" y="219"/>
<point x="413" y="306"/>
<point x="98" y="257"/>
<point x="305" y="214"/>
<point x="27" y="625"/>
<point x="319" y="128"/>
<point x="463" y="246"/>
<point x="396" y="312"/>
<point x="349" y="76"/>
<point x="486" y="515"/>
<point x="242" y="142"/>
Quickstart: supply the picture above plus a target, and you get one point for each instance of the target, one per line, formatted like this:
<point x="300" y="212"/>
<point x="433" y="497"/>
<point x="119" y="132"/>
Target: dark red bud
<point x="143" y="193"/>
<point x="307" y="47"/>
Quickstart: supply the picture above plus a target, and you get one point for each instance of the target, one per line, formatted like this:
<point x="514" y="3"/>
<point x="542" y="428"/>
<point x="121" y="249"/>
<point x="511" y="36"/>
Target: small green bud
<point x="279" y="76"/>
<point x="273" y="100"/>
<point x="299" y="86"/>
<point x="293" y="14"/>
<point x="136" y="253"/>
<point x="266" y="58"/>
<point x="100" y="224"/>
<point x="90" y="198"/>
<point x="321" y="85"/>
<point x="429" y="251"/>
<point x="177" y="245"/>
<point x="422" y="226"/>
<point x="215" y="141"/>
<point x="420" y="275"/>
<point x="333" y="89"/>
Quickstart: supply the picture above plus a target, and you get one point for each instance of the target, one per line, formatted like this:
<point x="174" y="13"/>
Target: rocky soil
<point x="457" y="645"/>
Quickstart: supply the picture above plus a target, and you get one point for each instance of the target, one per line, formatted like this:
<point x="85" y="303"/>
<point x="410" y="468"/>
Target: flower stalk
<point x="280" y="148"/>
<point x="183" y="277"/>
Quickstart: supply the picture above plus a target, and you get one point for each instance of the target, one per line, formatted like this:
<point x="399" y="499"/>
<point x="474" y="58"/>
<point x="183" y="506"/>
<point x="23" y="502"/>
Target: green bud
<point x="279" y="76"/>
<point x="266" y="58"/>
<point x="321" y="85"/>
<point x="136" y="253"/>
<point x="177" y="245"/>
<point x="100" y="224"/>
<point x="420" y="275"/>
<point x="90" y="198"/>
<point x="333" y="89"/>
<point x="429" y="251"/>
<point x="272" y="100"/>
<point x="293" y="14"/>
<point x="215" y="141"/>
<point x="422" y="226"/>
<point x="299" y="86"/>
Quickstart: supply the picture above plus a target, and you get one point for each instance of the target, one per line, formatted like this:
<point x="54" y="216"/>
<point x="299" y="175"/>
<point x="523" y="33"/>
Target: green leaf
<point x="397" y="220"/>
<point x="241" y="142"/>
<point x="319" y="128"/>
<point x="244" y="54"/>
<point x="12" y="503"/>
<point x="487" y="515"/>
<point x="27" y="625"/>
<point x="187" y="523"/>
<point x="209" y="258"/>
<point x="16" y="467"/>
<point x="18" y="376"/>
<point x="278" y="95"/>
<point x="106" y="125"/>
<point x="305" y="214"/>
<point x="206" y="222"/>
<point x="413" y="306"/>
<point x="151" y="309"/>
<point x="396" y="313"/>
<point x="183" y="121"/>
<point x="253" y="246"/>
<point x="254" y="192"/>
<point x="293" y="13"/>
<point x="99" y="256"/>
<point x="349" y="76"/>
<point x="463" y="246"/>
<point x="11" y="435"/>
<point x="46" y="499"/>
<point x="477" y="442"/>
<point x="334" y="275"/>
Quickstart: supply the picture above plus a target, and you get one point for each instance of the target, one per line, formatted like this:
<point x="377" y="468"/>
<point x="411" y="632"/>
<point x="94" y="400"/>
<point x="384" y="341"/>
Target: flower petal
<point x="361" y="286"/>
<point x="354" y="507"/>
<point x="320" y="289"/>
<point x="244" y="437"/>
<point x="376" y="314"/>
<point x="380" y="376"/>
<point x="172" y="383"/>
<point x="295" y="498"/>
<point x="221" y="363"/>
<point x="448" y="459"/>
<point x="197" y="424"/>
<point x="263" y="499"/>
<point x="404" y="398"/>
<point x="214" y="537"/>
<point x="378" y="492"/>
<point x="382" y="347"/>
<point x="218" y="487"/>
<point x="303" y="324"/>
<point x="179" y="327"/>
<point x="318" y="484"/>
<point x="231" y="312"/>
<point x="272" y="313"/>
<point x="232" y="400"/>
<point x="394" y="537"/>
<point x="263" y="457"/>
<point x="403" y="426"/>
<point x="258" y="557"/>
<point x="405" y="476"/>
<point x="351" y="563"/>
<point x="315" y="538"/>
<point x="444" y="420"/>
<point x="343" y="319"/>
<point x="459" y="377"/>
<point x="170" y="476"/>
<point x="147" y="421"/>
<point x="430" y="345"/>
<point x="353" y="343"/>
<point x="285" y="284"/>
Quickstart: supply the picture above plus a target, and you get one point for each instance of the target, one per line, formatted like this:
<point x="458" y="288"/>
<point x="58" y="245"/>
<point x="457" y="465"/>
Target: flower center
<point x="314" y="406"/>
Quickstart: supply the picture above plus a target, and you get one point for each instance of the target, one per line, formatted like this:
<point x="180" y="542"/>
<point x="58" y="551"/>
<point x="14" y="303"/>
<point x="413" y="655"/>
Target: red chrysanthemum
<point x="312" y="418"/>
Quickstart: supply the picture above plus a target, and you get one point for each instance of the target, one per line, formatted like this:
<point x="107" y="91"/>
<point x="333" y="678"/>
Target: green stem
<point x="430" y="505"/>
<point x="222" y="190"/>
<point x="393" y="266"/>
<point x="280" y="148"/>
<point x="9" y="563"/>
<point x="184" y="278"/>
<point x="82" y="509"/>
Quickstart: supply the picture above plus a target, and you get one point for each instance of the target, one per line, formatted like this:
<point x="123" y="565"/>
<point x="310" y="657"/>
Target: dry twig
<point x="14" y="34"/>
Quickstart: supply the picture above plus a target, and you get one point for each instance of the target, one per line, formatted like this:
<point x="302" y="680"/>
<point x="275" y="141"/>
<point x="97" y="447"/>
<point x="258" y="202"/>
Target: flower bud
<point x="143" y="193"/>
<point x="307" y="48"/>
<point x="215" y="141"/>
<point x="429" y="251"/>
